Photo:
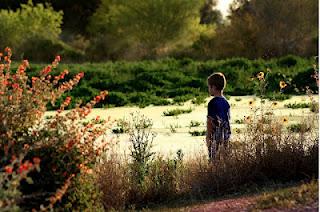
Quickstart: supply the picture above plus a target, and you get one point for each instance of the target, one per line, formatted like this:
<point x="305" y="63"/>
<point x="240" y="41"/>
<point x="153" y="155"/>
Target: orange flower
<point x="8" y="169"/>
<point x="26" y="63"/>
<point x="15" y="85"/>
<point x="58" y="58"/>
<point x="97" y="98"/>
<point x="7" y="49"/>
<point x="282" y="84"/>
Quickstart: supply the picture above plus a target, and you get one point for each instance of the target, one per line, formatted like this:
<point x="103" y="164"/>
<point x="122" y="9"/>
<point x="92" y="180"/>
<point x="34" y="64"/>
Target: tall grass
<point x="268" y="151"/>
<point x="265" y="153"/>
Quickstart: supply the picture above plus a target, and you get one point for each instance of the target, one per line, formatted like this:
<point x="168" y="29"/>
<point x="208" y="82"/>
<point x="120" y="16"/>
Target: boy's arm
<point x="209" y="129"/>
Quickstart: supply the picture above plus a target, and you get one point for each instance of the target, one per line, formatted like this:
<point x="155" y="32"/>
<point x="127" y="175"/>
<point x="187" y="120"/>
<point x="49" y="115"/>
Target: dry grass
<point x="265" y="153"/>
<point x="304" y="194"/>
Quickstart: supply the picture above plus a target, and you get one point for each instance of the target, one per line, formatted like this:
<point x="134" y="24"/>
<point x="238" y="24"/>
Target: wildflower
<point x="274" y="104"/>
<point x="97" y="98"/>
<point x="237" y="130"/>
<point x="260" y="75"/>
<point x="26" y="63"/>
<point x="247" y="119"/>
<point x="15" y="85"/>
<point x="7" y="49"/>
<point x="251" y="103"/>
<point x="285" y="120"/>
<point x="47" y="70"/>
<point x="282" y="84"/>
<point x="58" y="58"/>
<point x="8" y="169"/>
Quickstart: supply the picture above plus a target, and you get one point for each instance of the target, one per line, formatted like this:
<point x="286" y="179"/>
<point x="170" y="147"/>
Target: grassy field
<point x="173" y="132"/>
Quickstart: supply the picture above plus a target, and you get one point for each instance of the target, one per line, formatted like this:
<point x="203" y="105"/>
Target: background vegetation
<point x="135" y="30"/>
<point x="184" y="79"/>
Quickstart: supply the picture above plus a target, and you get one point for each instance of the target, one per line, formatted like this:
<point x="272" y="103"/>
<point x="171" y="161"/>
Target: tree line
<point x="101" y="30"/>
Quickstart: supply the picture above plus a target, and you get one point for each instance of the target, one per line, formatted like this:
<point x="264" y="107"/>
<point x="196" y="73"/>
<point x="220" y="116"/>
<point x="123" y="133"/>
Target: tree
<point x="42" y="22"/>
<point x="150" y="27"/>
<point x="81" y="9"/>
<point x="209" y="14"/>
<point x="269" y="28"/>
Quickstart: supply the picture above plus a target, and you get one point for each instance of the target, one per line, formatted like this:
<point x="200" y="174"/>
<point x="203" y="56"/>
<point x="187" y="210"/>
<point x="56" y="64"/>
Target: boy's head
<point x="216" y="83"/>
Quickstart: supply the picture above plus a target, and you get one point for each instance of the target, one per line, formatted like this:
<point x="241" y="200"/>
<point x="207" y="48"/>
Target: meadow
<point x="84" y="156"/>
<point x="178" y="132"/>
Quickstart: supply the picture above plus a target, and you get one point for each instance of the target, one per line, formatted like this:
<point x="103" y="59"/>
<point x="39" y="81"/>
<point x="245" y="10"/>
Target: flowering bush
<point x="66" y="145"/>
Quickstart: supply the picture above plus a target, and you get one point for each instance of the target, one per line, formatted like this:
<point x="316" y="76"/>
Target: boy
<point x="218" y="126"/>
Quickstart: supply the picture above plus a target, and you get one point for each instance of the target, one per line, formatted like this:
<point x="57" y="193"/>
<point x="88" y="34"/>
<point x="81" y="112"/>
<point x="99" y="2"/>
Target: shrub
<point x="130" y="85"/>
<point x="117" y="99"/>
<point x="141" y="138"/>
<point x="297" y="105"/>
<point x="176" y="112"/>
<point x="65" y="147"/>
<point x="42" y="21"/>
<point x="199" y="100"/>
<point x="198" y="133"/>
<point x="299" y="128"/>
<point x="277" y="96"/>
<point x="288" y="61"/>
<point x="194" y="124"/>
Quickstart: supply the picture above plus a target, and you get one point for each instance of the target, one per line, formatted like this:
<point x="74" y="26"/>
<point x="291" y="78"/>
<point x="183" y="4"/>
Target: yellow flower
<point x="260" y="75"/>
<point x="251" y="103"/>
<point x="285" y="120"/>
<point x="274" y="104"/>
<point x="282" y="84"/>
<point x="247" y="119"/>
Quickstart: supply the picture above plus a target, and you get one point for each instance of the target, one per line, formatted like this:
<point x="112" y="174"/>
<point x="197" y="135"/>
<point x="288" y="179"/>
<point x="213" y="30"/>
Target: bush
<point x="288" y="61"/>
<point x="198" y="133"/>
<point x="297" y="105"/>
<point x="146" y="83"/>
<point x="66" y="149"/>
<point x="42" y="21"/>
<point x="176" y="112"/>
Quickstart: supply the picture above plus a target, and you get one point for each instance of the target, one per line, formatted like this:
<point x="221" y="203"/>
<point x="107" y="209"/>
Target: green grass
<point x="194" y="123"/>
<point x="300" y="127"/>
<point x="198" y="133"/>
<point x="297" y="105"/>
<point x="176" y="112"/>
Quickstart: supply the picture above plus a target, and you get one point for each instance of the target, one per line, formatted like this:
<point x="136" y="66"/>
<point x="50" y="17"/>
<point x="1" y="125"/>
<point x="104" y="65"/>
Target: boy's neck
<point x="220" y="93"/>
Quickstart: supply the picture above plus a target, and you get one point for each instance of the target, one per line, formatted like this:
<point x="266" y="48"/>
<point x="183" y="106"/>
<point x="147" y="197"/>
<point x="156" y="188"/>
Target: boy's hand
<point x="209" y="130"/>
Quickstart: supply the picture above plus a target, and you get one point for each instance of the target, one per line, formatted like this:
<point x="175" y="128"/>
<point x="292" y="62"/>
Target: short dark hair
<point x="218" y="80"/>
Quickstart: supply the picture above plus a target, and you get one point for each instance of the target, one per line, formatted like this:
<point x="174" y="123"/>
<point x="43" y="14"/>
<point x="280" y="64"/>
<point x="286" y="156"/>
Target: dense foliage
<point x="173" y="81"/>
<point x="135" y="30"/>
<point x="61" y="147"/>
